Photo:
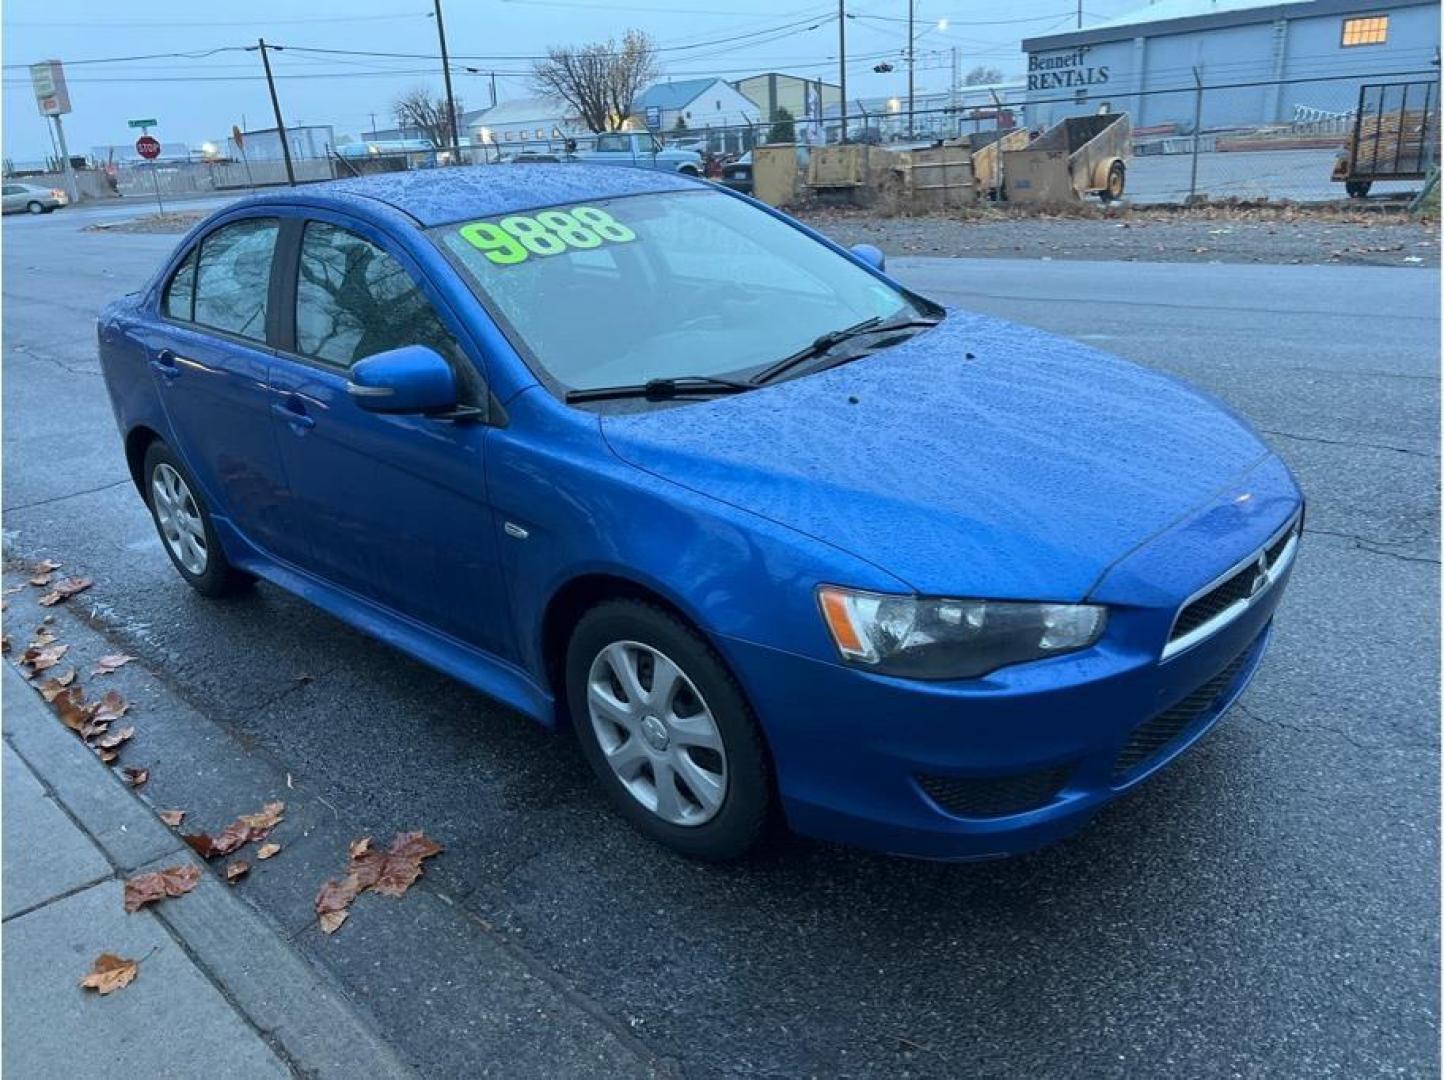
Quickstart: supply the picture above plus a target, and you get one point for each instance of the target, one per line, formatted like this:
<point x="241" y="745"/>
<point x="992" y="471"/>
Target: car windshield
<point x="614" y="292"/>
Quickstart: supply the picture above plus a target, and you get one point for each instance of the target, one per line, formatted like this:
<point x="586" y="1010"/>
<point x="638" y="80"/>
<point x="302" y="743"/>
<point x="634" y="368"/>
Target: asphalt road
<point x="1269" y="905"/>
<point x="1298" y="175"/>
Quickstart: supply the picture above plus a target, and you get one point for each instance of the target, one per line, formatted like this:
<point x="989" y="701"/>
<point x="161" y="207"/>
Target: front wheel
<point x="667" y="731"/>
<point x="184" y="523"/>
<point x="1113" y="188"/>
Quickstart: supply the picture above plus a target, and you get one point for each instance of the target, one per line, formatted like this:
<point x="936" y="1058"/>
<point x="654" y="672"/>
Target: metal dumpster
<point x="1082" y="155"/>
<point x="988" y="148"/>
<point x="1395" y="136"/>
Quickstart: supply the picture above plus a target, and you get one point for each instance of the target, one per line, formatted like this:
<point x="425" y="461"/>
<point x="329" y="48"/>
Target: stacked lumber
<point x="1397" y="142"/>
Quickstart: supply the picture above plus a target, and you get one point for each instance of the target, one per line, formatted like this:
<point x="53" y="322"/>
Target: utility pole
<point x="446" y="76"/>
<point x="493" y="89"/>
<point x="373" y="125"/>
<point x="842" y="63"/>
<point x="953" y="96"/>
<point x="912" y="4"/>
<point x="276" y="108"/>
<point x="1080" y="14"/>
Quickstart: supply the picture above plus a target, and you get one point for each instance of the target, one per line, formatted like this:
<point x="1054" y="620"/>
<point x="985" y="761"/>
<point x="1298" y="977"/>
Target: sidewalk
<point x="219" y="992"/>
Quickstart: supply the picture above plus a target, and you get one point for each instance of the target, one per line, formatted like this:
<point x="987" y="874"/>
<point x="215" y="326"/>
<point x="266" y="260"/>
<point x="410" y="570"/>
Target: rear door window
<point x="233" y="277"/>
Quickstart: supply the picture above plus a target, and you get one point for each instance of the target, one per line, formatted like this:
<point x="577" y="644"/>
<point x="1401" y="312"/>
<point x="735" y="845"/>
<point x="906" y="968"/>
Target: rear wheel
<point x="1113" y="189"/>
<point x="667" y="731"/>
<point x="35" y="207"/>
<point x="184" y="523"/>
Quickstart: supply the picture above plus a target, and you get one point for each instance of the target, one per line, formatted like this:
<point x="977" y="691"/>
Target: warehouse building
<point x="802" y="98"/>
<point x="1305" y="59"/>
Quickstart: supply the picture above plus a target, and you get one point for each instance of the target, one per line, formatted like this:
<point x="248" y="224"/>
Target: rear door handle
<point x="292" y="412"/>
<point x="164" y="364"/>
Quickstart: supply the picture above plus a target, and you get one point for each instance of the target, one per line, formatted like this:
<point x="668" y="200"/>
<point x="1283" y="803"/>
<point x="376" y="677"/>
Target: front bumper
<point x="923" y="769"/>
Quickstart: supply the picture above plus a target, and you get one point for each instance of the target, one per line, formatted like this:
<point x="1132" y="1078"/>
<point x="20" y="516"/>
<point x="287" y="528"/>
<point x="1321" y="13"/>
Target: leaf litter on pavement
<point x="243" y="830"/>
<point x="390" y="873"/>
<point x="159" y="885"/>
<point x="110" y="973"/>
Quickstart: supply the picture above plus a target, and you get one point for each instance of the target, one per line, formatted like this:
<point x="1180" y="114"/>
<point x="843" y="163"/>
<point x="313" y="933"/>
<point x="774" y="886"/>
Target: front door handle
<point x="292" y="413"/>
<point x="164" y="364"/>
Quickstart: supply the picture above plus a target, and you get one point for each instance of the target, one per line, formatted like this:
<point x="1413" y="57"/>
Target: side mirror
<point x="871" y="255"/>
<point x="411" y="379"/>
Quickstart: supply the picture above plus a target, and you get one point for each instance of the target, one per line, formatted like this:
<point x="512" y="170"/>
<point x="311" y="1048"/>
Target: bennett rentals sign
<point x="1064" y="71"/>
<point x="48" y="80"/>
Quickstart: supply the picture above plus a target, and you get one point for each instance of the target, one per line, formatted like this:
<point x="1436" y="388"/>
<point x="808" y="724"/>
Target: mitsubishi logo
<point x="1260" y="577"/>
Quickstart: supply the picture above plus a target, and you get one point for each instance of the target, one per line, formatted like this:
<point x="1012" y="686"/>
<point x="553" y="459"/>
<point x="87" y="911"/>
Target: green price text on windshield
<point x="515" y="238"/>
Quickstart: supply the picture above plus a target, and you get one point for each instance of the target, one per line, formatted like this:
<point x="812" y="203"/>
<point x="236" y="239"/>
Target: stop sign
<point x="148" y="147"/>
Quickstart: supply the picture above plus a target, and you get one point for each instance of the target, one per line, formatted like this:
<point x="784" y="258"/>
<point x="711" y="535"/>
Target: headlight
<point x="923" y="638"/>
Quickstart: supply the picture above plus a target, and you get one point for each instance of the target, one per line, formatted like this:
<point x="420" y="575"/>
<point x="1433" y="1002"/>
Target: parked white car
<point x="31" y="198"/>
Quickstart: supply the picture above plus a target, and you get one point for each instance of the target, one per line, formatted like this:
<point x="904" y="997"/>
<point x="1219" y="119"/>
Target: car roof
<point x="446" y="194"/>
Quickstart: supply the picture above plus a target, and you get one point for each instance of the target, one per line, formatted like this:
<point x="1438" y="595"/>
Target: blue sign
<point x="654" y="118"/>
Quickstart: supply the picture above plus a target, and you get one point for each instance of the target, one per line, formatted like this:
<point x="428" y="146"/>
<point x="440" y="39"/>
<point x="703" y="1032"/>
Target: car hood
<point x="978" y="458"/>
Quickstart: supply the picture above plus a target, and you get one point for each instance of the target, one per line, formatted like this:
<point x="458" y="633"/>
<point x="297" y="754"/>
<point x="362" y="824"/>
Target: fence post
<point x="1197" y="123"/>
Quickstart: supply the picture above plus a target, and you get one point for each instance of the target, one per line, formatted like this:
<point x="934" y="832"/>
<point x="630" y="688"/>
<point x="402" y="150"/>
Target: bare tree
<point x="982" y="76"/>
<point x="418" y="110"/>
<point x="600" y="81"/>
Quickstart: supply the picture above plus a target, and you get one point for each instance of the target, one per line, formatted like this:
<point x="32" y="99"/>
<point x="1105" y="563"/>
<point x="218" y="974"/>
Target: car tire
<point x="1357" y="189"/>
<point x="183" y="522"/>
<point x="687" y="170"/>
<point x="35" y="207"/>
<point x="704" y="818"/>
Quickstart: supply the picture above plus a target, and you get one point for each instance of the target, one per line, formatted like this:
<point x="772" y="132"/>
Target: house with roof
<point x="698" y="103"/>
<point x="1274" y="61"/>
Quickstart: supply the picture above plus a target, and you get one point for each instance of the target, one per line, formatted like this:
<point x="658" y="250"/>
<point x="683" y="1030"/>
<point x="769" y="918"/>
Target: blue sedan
<point x="782" y="541"/>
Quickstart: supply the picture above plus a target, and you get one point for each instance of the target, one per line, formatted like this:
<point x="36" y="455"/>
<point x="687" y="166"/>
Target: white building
<point x="698" y="103"/>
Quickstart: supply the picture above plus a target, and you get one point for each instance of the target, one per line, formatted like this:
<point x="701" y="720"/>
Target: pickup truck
<point x="641" y="149"/>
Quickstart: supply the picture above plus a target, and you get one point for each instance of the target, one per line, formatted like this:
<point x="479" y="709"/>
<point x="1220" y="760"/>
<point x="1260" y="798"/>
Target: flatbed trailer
<point x="1395" y="136"/>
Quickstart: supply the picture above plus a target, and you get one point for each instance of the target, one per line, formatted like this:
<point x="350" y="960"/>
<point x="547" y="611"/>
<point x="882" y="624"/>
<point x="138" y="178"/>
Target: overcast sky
<point x="200" y="98"/>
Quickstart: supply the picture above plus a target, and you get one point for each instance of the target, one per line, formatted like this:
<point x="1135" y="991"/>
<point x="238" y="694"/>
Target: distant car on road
<point x="31" y="198"/>
<point x="778" y="538"/>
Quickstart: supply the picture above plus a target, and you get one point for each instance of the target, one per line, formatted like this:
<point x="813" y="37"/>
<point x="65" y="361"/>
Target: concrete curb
<point x="319" y="1030"/>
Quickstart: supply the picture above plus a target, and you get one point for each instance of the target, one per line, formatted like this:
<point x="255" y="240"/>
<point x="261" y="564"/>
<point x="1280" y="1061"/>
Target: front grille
<point x="995" y="796"/>
<point x="1243" y="584"/>
<point x="1152" y="737"/>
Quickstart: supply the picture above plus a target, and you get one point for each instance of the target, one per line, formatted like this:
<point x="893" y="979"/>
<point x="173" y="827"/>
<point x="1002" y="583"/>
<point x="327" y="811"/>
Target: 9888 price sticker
<point x="516" y="238"/>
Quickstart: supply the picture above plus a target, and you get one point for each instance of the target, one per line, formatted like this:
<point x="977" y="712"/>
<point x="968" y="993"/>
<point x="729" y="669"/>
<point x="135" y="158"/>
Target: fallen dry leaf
<point x="243" y="830"/>
<point x="110" y="662"/>
<point x="173" y="818"/>
<point x="110" y="973"/>
<point x="40" y="580"/>
<point x="111" y="707"/>
<point x="107" y="756"/>
<point x="236" y="870"/>
<point x="74" y="712"/>
<point x="147" y="888"/>
<point x="50" y="689"/>
<point x="115" y="738"/>
<point x="390" y="872"/>
<point x="135" y="777"/>
<point x="4" y="643"/>
<point x="45" y="566"/>
<point x="13" y="589"/>
<point x="265" y="851"/>
<point x="38" y="658"/>
<point x="65" y="590"/>
<point x="43" y="636"/>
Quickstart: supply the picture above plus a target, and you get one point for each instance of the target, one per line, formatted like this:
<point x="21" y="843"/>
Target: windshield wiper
<point x="833" y="338"/>
<point x="663" y="389"/>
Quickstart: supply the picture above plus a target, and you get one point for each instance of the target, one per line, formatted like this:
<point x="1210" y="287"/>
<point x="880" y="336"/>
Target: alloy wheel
<point x="657" y="733"/>
<point x="179" y="519"/>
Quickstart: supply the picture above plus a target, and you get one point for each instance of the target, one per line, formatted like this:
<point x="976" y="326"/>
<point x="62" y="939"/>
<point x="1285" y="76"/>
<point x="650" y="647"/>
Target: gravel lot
<point x="1200" y="236"/>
